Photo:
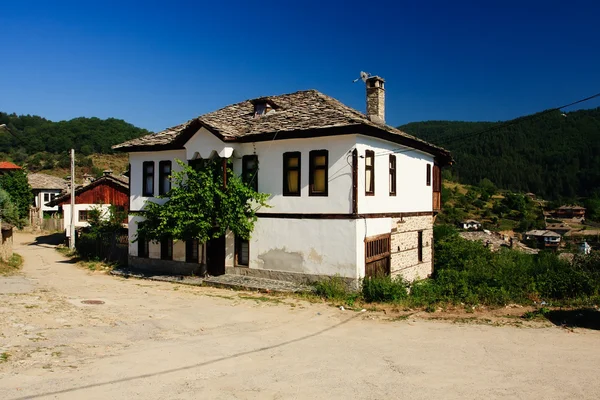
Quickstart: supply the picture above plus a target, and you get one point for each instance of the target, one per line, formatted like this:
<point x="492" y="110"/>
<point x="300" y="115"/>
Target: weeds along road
<point x="153" y="340"/>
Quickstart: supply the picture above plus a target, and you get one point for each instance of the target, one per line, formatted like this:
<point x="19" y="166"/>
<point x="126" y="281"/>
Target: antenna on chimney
<point x="363" y="76"/>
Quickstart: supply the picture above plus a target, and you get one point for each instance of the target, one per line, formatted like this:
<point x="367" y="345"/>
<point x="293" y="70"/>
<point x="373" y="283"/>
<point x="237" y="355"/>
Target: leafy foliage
<point x="16" y="185"/>
<point x="85" y="135"/>
<point x="384" y="289"/>
<point x="199" y="206"/>
<point x="551" y="155"/>
<point x="8" y="211"/>
<point x="100" y="235"/>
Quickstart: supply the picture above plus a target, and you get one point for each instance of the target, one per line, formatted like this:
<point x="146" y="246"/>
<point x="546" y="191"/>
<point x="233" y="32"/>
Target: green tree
<point x="8" y="211"/>
<point x="199" y="206"/>
<point x="15" y="183"/>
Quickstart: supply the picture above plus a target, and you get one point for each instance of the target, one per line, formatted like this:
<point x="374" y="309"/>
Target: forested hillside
<point x="554" y="155"/>
<point x="85" y="135"/>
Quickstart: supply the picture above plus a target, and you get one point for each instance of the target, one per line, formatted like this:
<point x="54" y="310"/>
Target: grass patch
<point x="96" y="265"/>
<point x="4" y="356"/>
<point x="259" y="299"/>
<point x="384" y="289"/>
<point x="12" y="265"/>
<point x="540" y="313"/>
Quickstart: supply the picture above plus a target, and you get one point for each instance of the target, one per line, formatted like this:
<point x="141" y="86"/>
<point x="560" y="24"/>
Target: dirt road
<point x="153" y="340"/>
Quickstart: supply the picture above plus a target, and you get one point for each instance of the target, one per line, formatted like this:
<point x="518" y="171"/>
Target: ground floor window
<point x="242" y="252"/>
<point x="143" y="247"/>
<point x="166" y="249"/>
<point x="83" y="215"/>
<point x="420" y="245"/>
<point x="191" y="250"/>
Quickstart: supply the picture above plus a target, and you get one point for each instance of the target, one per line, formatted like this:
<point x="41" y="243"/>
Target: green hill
<point x="85" y="135"/>
<point x="552" y="155"/>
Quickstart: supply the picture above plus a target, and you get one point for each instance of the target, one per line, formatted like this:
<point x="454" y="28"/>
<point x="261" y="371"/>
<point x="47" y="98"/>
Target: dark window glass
<point x="143" y="247"/>
<point x="428" y="178"/>
<point x="369" y="173"/>
<point x="420" y="245"/>
<point x="164" y="173"/>
<point x="242" y="250"/>
<point x="83" y="215"/>
<point x="291" y="173"/>
<point x="392" y="175"/>
<point x="166" y="249"/>
<point x="250" y="171"/>
<point x="319" y="168"/>
<point x="148" y="179"/>
<point x="191" y="250"/>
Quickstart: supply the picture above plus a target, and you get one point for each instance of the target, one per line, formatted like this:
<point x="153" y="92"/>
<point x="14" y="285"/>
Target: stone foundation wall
<point x="294" y="277"/>
<point x="404" y="248"/>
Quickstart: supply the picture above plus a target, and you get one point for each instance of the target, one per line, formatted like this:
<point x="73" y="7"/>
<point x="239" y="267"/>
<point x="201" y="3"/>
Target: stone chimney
<point x="87" y="179"/>
<point x="376" y="99"/>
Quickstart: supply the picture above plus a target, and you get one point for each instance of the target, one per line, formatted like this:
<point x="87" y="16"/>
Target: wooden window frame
<point x="312" y="168"/>
<point x="287" y="168"/>
<point x="428" y="175"/>
<point x="146" y="192"/>
<point x="238" y="249"/>
<point x="166" y="249"/>
<point x="79" y="214"/>
<point x="189" y="254"/>
<point x="370" y="154"/>
<point x="420" y="246"/>
<point x="163" y="176"/>
<point x="250" y="176"/>
<point x="393" y="175"/>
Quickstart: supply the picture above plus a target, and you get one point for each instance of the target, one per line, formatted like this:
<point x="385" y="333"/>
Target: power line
<point x="6" y="128"/>
<point x="453" y="138"/>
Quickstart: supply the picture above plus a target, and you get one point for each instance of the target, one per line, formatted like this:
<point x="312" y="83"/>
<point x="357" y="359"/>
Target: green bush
<point x="384" y="289"/>
<point x="333" y="288"/>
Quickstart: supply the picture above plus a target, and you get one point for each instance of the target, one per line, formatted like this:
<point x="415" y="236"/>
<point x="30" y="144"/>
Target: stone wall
<point x="305" y="279"/>
<point x="6" y="245"/>
<point x="404" y="247"/>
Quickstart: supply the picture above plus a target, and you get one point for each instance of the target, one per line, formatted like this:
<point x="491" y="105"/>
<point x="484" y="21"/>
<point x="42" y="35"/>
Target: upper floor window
<point x="148" y="178"/>
<point x="250" y="171"/>
<point x="46" y="197"/>
<point x="291" y="173"/>
<point x="164" y="174"/>
<point x="428" y="178"/>
<point x="392" y="175"/>
<point x="369" y="173"/>
<point x="318" y="165"/>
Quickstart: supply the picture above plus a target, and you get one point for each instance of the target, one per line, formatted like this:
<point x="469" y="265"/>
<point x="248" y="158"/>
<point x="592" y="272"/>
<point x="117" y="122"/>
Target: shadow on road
<point x="587" y="318"/>
<point x="188" y="367"/>
<point x="52" y="239"/>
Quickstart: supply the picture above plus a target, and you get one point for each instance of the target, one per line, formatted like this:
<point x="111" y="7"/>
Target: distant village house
<point x="470" y="224"/>
<point x="543" y="239"/>
<point x="570" y="212"/>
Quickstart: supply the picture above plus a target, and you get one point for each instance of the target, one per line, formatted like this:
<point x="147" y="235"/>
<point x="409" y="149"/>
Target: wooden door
<point x="377" y="255"/>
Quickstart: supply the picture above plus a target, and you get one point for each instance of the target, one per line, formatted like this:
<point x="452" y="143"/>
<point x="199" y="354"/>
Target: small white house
<point x="585" y="248"/>
<point x="100" y="194"/>
<point x="45" y="188"/>
<point x="349" y="195"/>
<point x="470" y="224"/>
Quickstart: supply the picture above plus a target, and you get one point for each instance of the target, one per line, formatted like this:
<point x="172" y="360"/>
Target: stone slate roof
<point x="306" y="111"/>
<point x="44" y="181"/>
<point x="539" y="232"/>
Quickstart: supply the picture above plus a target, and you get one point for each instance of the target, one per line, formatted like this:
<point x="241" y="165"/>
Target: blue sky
<point x="157" y="64"/>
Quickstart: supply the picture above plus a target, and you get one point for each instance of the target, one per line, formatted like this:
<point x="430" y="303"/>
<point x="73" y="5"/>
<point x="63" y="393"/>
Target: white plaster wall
<point x="204" y="144"/>
<point x="365" y="228"/>
<point x="78" y="207"/>
<point x="308" y="246"/>
<point x="270" y="174"/>
<point x="412" y="192"/>
<point x="132" y="222"/>
<point x="136" y="201"/>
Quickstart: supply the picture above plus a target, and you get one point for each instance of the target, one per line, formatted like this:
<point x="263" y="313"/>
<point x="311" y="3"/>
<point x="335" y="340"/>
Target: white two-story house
<point x="349" y="195"/>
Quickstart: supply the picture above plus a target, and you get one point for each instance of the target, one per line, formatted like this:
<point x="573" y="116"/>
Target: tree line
<point x="554" y="155"/>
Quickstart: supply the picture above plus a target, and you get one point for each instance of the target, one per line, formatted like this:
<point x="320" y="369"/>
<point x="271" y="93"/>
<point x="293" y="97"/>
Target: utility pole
<point x="72" y="226"/>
